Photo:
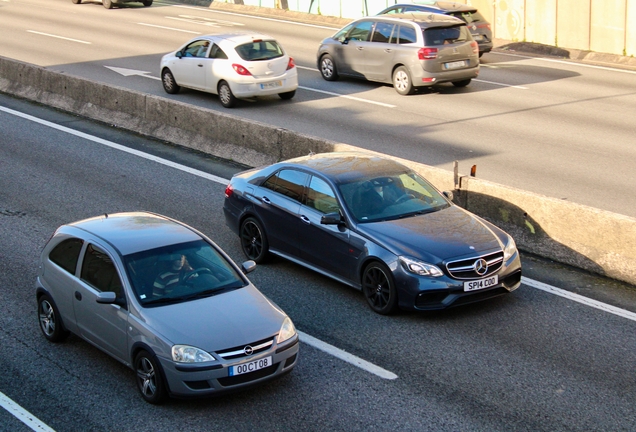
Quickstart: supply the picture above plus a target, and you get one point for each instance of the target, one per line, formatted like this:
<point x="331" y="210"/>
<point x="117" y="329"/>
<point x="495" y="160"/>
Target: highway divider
<point x="591" y="239"/>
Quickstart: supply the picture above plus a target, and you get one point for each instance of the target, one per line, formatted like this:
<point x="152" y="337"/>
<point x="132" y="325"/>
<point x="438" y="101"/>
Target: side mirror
<point x="179" y="54"/>
<point x="331" y="218"/>
<point x="448" y="194"/>
<point x="248" y="266"/>
<point x="108" y="297"/>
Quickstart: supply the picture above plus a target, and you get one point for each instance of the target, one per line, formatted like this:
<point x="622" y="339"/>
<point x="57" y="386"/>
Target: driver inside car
<point x="172" y="276"/>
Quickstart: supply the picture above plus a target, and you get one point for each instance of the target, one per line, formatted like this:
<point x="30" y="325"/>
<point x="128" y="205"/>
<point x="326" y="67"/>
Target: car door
<point x="189" y="69"/>
<point x="325" y="246"/>
<point x="216" y="68"/>
<point x="104" y="325"/>
<point x="278" y="206"/>
<point x="350" y="54"/>
<point x="378" y="55"/>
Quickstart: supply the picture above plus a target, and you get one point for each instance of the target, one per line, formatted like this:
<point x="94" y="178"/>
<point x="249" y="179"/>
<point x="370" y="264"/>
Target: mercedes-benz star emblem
<point x="248" y="350"/>
<point x="480" y="266"/>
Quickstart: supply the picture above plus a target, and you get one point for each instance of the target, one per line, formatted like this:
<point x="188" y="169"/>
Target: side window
<point x="99" y="271"/>
<point x="196" y="49"/>
<point x="66" y="254"/>
<point x="395" y="10"/>
<point x="383" y="32"/>
<point x="361" y="31"/>
<point x="288" y="182"/>
<point x="321" y="197"/>
<point x="340" y="36"/>
<point x="217" y="53"/>
<point x="407" y="35"/>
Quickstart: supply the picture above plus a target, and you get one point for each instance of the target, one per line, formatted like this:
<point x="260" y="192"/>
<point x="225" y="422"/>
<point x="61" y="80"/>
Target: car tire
<point x="149" y="379"/>
<point x="402" y="82"/>
<point x="108" y="4"/>
<point x="462" y="83"/>
<point x="147" y="3"/>
<point x="227" y="98"/>
<point x="76" y="1"/>
<point x="169" y="83"/>
<point x="253" y="240"/>
<point x="49" y="318"/>
<point x="287" y="95"/>
<point x="328" y="68"/>
<point x="379" y="288"/>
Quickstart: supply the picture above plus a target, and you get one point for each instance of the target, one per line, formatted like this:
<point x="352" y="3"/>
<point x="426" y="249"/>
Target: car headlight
<point x="190" y="354"/>
<point x="287" y="331"/>
<point x="510" y="249"/>
<point x="420" y="268"/>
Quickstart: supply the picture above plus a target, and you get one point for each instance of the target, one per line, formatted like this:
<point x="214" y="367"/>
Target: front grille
<point x="465" y="269"/>
<point x="240" y="379"/>
<point x="239" y="351"/>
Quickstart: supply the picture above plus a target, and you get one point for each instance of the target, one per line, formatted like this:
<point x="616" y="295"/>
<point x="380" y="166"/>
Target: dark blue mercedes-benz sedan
<point x="372" y="223"/>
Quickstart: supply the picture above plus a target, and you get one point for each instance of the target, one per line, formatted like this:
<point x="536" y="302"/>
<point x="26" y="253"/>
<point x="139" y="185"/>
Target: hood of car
<point x="435" y="237"/>
<point x="219" y="322"/>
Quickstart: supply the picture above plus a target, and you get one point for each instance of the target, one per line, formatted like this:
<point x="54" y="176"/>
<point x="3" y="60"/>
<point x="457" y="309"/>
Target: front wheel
<point x="108" y="4"/>
<point x="402" y="81"/>
<point x="462" y="83"/>
<point x="146" y="3"/>
<point x="253" y="240"/>
<point x="328" y="68"/>
<point x="169" y="83"/>
<point x="76" y="1"/>
<point x="50" y="322"/>
<point x="149" y="380"/>
<point x="227" y="98"/>
<point x="287" y="95"/>
<point x="379" y="289"/>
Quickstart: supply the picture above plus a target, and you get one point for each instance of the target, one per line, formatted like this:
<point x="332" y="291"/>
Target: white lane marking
<point x="118" y="147"/>
<point x="345" y="356"/>
<point x="132" y="72"/>
<point x="347" y="97"/>
<point x="59" y="37"/>
<point x="500" y="84"/>
<point x="579" y="298"/>
<point x="168" y="28"/>
<point x="256" y="17"/>
<point x="570" y="63"/>
<point x="23" y="415"/>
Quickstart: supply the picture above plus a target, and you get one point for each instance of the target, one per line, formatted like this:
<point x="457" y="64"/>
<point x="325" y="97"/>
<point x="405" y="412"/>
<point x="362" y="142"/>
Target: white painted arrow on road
<point x="131" y="72"/>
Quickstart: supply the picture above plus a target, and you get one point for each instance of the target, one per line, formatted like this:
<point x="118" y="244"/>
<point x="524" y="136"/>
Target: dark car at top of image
<point x="409" y="51"/>
<point x="374" y="224"/>
<point x="477" y="24"/>
<point x="166" y="301"/>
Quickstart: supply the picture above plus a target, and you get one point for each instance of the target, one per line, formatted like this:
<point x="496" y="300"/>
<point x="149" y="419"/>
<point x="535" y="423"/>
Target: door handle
<point x="78" y="295"/>
<point x="305" y="219"/>
<point x="266" y="200"/>
<point x="200" y="65"/>
<point x="360" y="48"/>
<point x="387" y="50"/>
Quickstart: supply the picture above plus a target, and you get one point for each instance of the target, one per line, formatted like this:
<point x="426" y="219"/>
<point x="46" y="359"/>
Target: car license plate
<point x="272" y="84"/>
<point x="481" y="284"/>
<point x="478" y="38"/>
<point x="251" y="366"/>
<point x="455" y="65"/>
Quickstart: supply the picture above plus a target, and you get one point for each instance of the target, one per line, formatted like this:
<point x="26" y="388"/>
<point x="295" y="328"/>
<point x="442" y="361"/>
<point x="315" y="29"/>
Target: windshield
<point x="372" y="199"/>
<point x="179" y="273"/>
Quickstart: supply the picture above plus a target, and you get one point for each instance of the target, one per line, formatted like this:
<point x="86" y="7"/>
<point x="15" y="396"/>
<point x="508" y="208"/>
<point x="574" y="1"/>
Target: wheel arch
<point x="41" y="292"/>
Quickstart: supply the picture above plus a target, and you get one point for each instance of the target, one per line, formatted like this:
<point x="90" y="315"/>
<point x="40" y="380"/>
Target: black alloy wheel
<point x="49" y="318"/>
<point x="149" y="380"/>
<point x="379" y="289"/>
<point x="253" y="240"/>
<point x="169" y="83"/>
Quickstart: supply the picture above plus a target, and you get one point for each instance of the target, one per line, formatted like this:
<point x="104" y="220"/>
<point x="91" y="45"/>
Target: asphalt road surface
<point x="534" y="360"/>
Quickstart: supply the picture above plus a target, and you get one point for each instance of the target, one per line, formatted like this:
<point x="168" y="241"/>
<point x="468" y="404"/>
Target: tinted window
<point x="469" y="17"/>
<point x="361" y="31"/>
<point x="259" y="50"/>
<point x="383" y="32"/>
<point x="288" y="182"/>
<point x="66" y="254"/>
<point x="99" y="271"/>
<point x="407" y="35"/>
<point x="446" y="35"/>
<point x="217" y="52"/>
<point x="321" y="197"/>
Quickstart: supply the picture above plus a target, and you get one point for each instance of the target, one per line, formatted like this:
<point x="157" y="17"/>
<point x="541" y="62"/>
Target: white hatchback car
<point x="232" y="66"/>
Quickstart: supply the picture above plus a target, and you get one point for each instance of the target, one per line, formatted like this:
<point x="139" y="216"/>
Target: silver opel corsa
<point x="166" y="301"/>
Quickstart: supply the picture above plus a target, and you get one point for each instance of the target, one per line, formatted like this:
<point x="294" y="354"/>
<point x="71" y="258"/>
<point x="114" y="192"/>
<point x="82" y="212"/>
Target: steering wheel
<point x="404" y="197"/>
<point x="198" y="271"/>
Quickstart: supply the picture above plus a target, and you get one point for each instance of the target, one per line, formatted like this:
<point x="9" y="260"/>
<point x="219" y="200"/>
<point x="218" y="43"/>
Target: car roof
<point x="237" y="38"/>
<point x="344" y="167"/>
<point x="443" y="6"/>
<point x="429" y="19"/>
<point x="137" y="231"/>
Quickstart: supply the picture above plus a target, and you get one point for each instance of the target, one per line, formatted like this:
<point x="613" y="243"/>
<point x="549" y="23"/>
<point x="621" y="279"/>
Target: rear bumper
<point x="423" y="78"/>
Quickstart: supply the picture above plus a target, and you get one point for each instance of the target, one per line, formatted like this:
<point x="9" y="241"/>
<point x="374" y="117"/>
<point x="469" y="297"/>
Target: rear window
<point x="469" y="17"/>
<point x="446" y="35"/>
<point x="259" y="50"/>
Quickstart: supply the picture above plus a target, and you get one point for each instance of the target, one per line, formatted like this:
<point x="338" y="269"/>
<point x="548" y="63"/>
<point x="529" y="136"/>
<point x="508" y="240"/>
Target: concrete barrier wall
<point x="588" y="238"/>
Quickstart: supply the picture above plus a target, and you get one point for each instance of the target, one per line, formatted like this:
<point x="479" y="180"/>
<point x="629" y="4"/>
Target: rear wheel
<point x="76" y="1"/>
<point x="227" y="98"/>
<point x="108" y="4"/>
<point x="169" y="83"/>
<point x="328" y="68"/>
<point x="379" y="289"/>
<point x="402" y="81"/>
<point x="50" y="322"/>
<point x="146" y="3"/>
<point x="462" y="83"/>
<point x="149" y="380"/>
<point x="287" y="95"/>
<point x="253" y="240"/>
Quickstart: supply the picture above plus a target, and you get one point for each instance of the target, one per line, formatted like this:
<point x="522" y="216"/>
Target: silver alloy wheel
<point x="326" y="67"/>
<point x="401" y="81"/>
<point x="147" y="377"/>
<point x="47" y="318"/>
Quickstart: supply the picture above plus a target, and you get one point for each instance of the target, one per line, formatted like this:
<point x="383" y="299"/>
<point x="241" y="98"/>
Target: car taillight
<point x="484" y="26"/>
<point x="291" y="64"/>
<point x="427" y="53"/>
<point x="240" y="69"/>
<point x="229" y="190"/>
<point x="475" y="47"/>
